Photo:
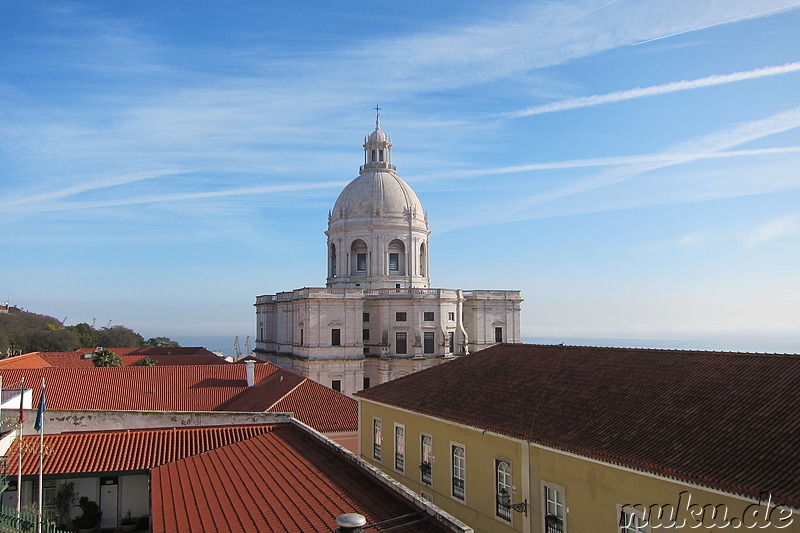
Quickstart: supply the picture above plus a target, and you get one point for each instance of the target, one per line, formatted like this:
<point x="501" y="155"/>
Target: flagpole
<point x="40" y="423"/>
<point x="19" y="448"/>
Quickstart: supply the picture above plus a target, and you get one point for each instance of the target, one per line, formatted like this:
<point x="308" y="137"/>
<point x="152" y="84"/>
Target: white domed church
<point x="378" y="318"/>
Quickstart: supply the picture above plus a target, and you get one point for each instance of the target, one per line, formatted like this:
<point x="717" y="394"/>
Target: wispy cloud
<point x="720" y="23"/>
<point x="698" y="148"/>
<point x="653" y="90"/>
<point x="662" y="157"/>
<point x="785" y="226"/>
<point x="120" y="201"/>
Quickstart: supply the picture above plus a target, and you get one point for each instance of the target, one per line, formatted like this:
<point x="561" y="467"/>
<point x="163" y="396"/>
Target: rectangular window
<point x="336" y="337"/>
<point x="451" y="316"/>
<point x="365" y="334"/>
<point x="394" y="262"/>
<point x="376" y="438"/>
<point x="336" y="384"/>
<point x="553" y="508"/>
<point x="400" y="343"/>
<point x="400" y="317"/>
<point x="632" y="521"/>
<point x="459" y="463"/>
<point x="451" y="341"/>
<point x="428" y="342"/>
<point x="373" y="155"/>
<point x="380" y="155"/>
<point x="301" y="336"/>
<point x="426" y="453"/>
<point x="366" y="383"/>
<point x="361" y="262"/>
<point x="498" y="334"/>
<point x="365" y="317"/>
<point x="399" y="448"/>
<point x="427" y="316"/>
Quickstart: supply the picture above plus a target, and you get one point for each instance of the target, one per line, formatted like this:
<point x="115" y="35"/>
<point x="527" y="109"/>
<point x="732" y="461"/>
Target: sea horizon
<point x="225" y="343"/>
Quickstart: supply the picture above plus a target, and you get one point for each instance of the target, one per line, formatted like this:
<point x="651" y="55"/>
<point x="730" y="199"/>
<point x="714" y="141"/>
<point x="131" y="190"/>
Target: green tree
<point x="87" y="335"/>
<point x="145" y="361"/>
<point x="106" y="358"/>
<point x="119" y="337"/>
<point x="161" y="342"/>
<point x="30" y="332"/>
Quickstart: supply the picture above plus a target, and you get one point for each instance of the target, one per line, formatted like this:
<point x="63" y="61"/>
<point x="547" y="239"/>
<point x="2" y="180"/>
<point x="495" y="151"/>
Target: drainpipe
<point x="460" y="322"/>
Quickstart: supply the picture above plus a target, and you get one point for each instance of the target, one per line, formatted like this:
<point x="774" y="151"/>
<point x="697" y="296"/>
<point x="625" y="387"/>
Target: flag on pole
<point x="21" y="403"/>
<point x="40" y="413"/>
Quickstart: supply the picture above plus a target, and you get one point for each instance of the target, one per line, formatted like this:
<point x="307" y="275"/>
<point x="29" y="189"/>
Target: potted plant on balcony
<point x="128" y="523"/>
<point x="89" y="520"/>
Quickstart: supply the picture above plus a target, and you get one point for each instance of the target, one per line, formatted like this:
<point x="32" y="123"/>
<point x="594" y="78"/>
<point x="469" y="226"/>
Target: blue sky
<point x="633" y="166"/>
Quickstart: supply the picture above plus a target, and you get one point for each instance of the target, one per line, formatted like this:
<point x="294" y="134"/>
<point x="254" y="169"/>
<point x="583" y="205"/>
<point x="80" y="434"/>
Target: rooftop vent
<point x="350" y="523"/>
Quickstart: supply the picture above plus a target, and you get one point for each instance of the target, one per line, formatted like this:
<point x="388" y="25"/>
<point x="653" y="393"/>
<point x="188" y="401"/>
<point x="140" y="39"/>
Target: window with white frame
<point x="426" y="453"/>
<point x="459" y="466"/>
<point x="399" y="448"/>
<point x="631" y="520"/>
<point x="376" y="438"/>
<point x="503" y="489"/>
<point x="553" y="508"/>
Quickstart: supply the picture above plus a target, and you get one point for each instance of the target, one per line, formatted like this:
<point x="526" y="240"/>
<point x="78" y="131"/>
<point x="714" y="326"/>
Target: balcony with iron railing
<point x="378" y="165"/>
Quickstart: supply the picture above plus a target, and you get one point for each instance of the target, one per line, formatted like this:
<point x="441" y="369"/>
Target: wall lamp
<point x="505" y="502"/>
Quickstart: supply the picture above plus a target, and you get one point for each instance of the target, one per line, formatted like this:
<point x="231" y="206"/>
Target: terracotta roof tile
<point x="189" y="388"/>
<point x="131" y="356"/>
<point x="283" y="481"/>
<point x="721" y="420"/>
<point x="118" y="451"/>
<point x="28" y="360"/>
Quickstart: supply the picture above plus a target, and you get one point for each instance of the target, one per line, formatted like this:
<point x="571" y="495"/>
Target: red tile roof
<point x="722" y="420"/>
<point x="190" y="388"/>
<point x="281" y="481"/>
<point x="120" y="451"/>
<point x="129" y="356"/>
<point x="28" y="360"/>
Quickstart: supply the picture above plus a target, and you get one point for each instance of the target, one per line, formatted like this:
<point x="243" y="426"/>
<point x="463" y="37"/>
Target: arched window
<point x="504" y="489"/>
<point x="358" y="258"/>
<point x="333" y="260"/>
<point x="422" y="260"/>
<point x="397" y="258"/>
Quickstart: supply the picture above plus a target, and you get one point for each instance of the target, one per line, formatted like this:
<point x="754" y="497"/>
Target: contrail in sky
<point x="716" y="24"/>
<point x="653" y="90"/>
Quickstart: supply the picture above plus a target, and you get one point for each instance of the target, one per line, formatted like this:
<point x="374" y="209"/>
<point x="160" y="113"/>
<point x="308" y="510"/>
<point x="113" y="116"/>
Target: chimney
<point x="250" y="372"/>
<point x="350" y="523"/>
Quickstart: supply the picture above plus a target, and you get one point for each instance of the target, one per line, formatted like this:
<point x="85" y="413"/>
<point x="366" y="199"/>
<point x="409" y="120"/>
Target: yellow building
<point x="588" y="440"/>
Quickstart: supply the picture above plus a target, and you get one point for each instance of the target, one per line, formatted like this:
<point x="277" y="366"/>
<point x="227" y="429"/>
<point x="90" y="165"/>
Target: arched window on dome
<point x="423" y="260"/>
<point x="397" y="258"/>
<point x="332" y="260"/>
<point x="358" y="258"/>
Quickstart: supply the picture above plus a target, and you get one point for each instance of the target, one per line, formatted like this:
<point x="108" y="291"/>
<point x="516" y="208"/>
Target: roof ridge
<point x="290" y="391"/>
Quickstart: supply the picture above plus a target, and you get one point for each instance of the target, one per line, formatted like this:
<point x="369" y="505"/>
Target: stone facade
<point x="377" y="318"/>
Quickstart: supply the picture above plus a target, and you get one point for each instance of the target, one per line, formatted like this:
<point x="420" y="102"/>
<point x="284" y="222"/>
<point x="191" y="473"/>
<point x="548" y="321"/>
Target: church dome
<point x="377" y="231"/>
<point x="377" y="136"/>
<point x="376" y="195"/>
